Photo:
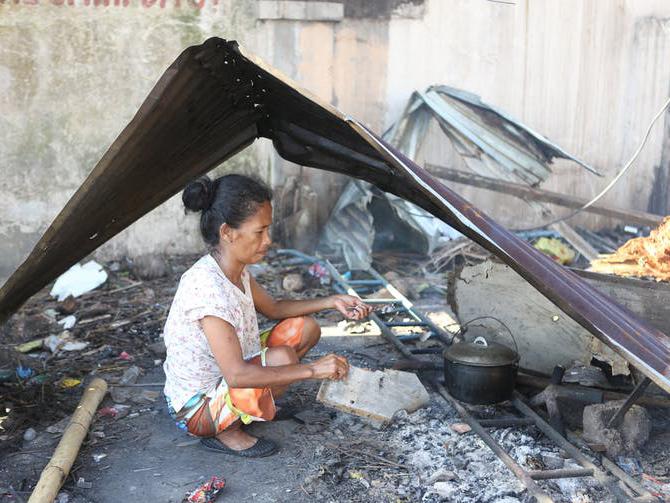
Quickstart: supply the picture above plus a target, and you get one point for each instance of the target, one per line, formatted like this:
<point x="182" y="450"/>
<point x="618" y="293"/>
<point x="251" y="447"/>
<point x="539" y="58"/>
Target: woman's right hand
<point x="331" y="366"/>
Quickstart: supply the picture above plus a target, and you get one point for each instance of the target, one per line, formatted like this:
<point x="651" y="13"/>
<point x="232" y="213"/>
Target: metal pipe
<point x="561" y="473"/>
<point x="533" y="489"/>
<point x="387" y="333"/>
<point x="439" y="332"/>
<point x="406" y="324"/>
<point x="506" y="422"/>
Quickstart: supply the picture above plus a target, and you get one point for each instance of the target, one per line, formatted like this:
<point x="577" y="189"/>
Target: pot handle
<point x="516" y="346"/>
<point x="481" y="341"/>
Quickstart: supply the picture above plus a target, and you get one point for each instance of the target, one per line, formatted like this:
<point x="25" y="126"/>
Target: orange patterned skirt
<point x="212" y="411"/>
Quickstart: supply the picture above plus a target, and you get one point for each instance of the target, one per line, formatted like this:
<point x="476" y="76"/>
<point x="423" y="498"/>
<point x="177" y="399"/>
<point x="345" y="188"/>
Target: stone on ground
<point x="627" y="438"/>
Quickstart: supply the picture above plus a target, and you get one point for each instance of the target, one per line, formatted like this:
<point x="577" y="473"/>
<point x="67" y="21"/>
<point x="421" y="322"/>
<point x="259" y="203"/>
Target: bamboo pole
<point x="56" y="471"/>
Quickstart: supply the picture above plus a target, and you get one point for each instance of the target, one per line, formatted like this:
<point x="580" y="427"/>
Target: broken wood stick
<point x="58" y="468"/>
<point x="535" y="194"/>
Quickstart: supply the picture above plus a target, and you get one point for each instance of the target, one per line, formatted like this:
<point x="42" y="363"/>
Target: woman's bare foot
<point x="236" y="438"/>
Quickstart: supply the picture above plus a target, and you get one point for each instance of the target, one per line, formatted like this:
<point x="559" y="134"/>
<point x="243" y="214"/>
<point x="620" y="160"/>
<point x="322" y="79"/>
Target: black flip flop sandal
<point x="263" y="447"/>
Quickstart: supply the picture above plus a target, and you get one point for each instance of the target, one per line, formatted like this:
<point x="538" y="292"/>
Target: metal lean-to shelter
<point x="214" y="101"/>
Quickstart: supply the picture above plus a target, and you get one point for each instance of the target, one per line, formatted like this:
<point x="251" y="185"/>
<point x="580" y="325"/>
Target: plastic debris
<point x="319" y="271"/>
<point x="29" y="435"/>
<point x="556" y="249"/>
<point x="69" y="382"/>
<point x="125" y="356"/>
<point x="83" y="484"/>
<point x="63" y="342"/>
<point x="24" y="372"/>
<point x="631" y="466"/>
<point x="115" y="412"/>
<point x="130" y="375"/>
<point x="207" y="492"/>
<point x="79" y="279"/>
<point x="62" y="497"/>
<point x="99" y="456"/>
<point x="27" y="347"/>
<point x="68" y="322"/>
<point x="108" y="412"/>
<point x="38" y="379"/>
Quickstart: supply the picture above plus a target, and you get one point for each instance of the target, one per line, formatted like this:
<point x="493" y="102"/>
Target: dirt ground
<point x="326" y="455"/>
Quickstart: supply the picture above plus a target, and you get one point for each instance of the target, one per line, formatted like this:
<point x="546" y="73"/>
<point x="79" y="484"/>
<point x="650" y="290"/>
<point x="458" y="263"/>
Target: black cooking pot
<point x="480" y="372"/>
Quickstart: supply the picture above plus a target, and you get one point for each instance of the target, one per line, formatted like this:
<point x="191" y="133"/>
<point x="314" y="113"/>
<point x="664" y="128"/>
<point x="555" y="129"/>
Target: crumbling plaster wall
<point x="74" y="72"/>
<point x="71" y="78"/>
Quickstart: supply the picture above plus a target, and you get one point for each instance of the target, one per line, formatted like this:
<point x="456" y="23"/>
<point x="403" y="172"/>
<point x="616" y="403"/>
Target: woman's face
<point x="251" y="240"/>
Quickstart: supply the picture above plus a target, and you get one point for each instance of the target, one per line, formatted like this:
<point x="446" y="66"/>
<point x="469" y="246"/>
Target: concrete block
<point x="300" y="10"/>
<point x="625" y="439"/>
<point x="375" y="394"/>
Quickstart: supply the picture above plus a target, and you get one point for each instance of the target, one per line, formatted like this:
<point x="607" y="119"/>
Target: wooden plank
<point x="648" y="299"/>
<point x="375" y="394"/>
<point x="536" y="194"/>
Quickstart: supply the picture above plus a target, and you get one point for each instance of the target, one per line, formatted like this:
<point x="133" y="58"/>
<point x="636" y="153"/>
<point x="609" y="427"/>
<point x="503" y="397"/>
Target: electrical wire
<point x="614" y="180"/>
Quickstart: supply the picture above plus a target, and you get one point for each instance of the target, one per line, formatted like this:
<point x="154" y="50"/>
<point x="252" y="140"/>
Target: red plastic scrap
<point x="207" y="492"/>
<point x="108" y="412"/>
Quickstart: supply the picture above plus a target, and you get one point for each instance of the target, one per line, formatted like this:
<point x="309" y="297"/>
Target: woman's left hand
<point x="351" y="307"/>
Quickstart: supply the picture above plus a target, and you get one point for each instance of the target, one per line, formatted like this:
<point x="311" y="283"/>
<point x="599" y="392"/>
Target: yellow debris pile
<point x="556" y="249"/>
<point x="644" y="257"/>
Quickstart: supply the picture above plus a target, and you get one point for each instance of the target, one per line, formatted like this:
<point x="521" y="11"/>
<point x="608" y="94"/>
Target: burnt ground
<point x="326" y="455"/>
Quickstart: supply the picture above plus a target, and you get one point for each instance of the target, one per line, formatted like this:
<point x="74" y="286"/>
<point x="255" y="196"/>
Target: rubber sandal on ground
<point x="263" y="447"/>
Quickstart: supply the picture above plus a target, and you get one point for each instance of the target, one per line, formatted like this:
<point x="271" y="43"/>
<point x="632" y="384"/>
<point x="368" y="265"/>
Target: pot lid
<point x="481" y="353"/>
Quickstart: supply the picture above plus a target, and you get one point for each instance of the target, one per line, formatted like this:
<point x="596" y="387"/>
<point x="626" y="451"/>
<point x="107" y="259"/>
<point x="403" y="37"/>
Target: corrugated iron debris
<point x="212" y="102"/>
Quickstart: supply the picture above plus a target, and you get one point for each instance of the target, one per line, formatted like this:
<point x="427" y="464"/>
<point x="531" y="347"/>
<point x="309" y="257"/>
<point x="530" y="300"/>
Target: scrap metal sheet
<point x="212" y="102"/>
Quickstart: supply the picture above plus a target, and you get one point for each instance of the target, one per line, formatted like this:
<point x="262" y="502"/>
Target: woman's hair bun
<point x="198" y="195"/>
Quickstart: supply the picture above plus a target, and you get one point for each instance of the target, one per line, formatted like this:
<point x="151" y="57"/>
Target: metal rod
<point x="393" y="311"/>
<point x="367" y="282"/>
<point x="562" y="473"/>
<point x="387" y="333"/>
<point x="426" y="351"/>
<point x="505" y="422"/>
<point x="406" y="324"/>
<point x="617" y="418"/>
<point x="441" y="334"/>
<point x="573" y="451"/>
<point x="533" y="489"/>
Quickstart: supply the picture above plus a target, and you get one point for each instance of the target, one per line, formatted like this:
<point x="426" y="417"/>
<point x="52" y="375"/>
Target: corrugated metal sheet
<point x="480" y="133"/>
<point x="213" y="101"/>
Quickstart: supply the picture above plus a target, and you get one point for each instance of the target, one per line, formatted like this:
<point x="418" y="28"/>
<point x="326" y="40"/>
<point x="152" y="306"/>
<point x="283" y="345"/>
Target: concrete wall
<point x="587" y="74"/>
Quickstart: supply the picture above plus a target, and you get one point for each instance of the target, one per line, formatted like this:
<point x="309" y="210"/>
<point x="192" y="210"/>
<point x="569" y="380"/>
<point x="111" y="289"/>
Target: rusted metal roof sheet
<point x="213" y="101"/>
<point x="478" y="132"/>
